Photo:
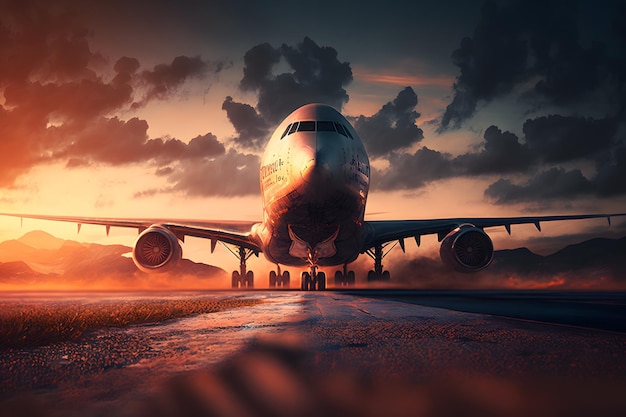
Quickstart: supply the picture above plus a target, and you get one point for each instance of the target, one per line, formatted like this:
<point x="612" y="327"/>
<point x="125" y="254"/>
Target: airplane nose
<point x="316" y="170"/>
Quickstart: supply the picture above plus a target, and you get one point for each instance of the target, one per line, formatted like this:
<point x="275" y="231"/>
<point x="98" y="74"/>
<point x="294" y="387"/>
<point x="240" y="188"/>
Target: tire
<point x="250" y="279"/>
<point x="286" y="279"/>
<point x="339" y="279"/>
<point x="305" y="281"/>
<point x="351" y="280"/>
<point x="321" y="281"/>
<point x="236" y="279"/>
<point x="386" y="276"/>
<point x="371" y="276"/>
<point x="273" y="280"/>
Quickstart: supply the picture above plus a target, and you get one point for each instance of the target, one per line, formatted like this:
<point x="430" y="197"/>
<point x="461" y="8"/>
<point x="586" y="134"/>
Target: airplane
<point x="314" y="180"/>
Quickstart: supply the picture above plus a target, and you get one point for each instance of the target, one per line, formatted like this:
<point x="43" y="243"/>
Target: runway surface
<point x="357" y="351"/>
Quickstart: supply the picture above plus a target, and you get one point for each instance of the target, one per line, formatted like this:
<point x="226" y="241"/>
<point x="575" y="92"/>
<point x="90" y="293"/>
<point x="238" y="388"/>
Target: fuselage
<point x="314" y="182"/>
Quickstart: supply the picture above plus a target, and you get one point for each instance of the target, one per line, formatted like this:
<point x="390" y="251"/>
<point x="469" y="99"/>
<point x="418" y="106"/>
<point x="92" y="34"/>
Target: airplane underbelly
<point x="328" y="226"/>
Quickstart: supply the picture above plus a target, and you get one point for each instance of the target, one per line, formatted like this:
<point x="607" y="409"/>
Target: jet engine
<point x="155" y="248"/>
<point x="467" y="249"/>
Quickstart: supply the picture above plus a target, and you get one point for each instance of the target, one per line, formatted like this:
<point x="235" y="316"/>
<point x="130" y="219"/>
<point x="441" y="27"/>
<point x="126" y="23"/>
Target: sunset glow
<point x="167" y="116"/>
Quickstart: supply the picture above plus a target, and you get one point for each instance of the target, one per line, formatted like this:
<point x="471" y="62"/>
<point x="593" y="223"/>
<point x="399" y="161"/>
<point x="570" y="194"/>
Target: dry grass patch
<point x="28" y="325"/>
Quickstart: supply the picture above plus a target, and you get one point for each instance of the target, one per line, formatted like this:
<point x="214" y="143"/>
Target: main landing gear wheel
<point x="243" y="278"/>
<point x="343" y="279"/>
<point x="373" y="276"/>
<point x="312" y="283"/>
<point x="378" y="274"/>
<point x="280" y="280"/>
<point x="245" y="281"/>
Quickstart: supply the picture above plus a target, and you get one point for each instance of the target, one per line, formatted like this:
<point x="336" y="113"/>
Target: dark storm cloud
<point x="547" y="141"/>
<point x="258" y="64"/>
<point x="502" y="153"/>
<point x="553" y="184"/>
<point x="251" y="128"/>
<point x="610" y="179"/>
<point x="558" y="138"/>
<point x="393" y="127"/>
<point x="536" y="42"/>
<point x="59" y="108"/>
<point x="316" y="75"/>
<point x="409" y="171"/>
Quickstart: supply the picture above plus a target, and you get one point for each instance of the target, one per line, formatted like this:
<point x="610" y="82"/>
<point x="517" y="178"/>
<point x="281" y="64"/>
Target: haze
<point x="156" y="109"/>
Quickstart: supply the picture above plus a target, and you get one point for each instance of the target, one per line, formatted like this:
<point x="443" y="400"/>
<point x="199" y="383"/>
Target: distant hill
<point x="17" y="272"/>
<point x="593" y="254"/>
<point x="39" y="258"/>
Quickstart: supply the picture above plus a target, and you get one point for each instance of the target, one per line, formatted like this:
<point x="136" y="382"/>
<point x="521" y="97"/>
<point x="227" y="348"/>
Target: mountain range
<point x="38" y="258"/>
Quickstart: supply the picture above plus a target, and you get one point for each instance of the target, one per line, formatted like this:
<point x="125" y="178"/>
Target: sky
<point x="162" y="108"/>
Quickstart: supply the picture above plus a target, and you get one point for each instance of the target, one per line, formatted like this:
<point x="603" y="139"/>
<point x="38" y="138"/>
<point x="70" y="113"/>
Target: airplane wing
<point x="231" y="232"/>
<point x="383" y="231"/>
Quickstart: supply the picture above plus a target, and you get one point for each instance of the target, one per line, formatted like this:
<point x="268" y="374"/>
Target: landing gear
<point x="279" y="280"/>
<point x="243" y="281"/>
<point x="243" y="278"/>
<point x="313" y="280"/>
<point x="378" y="274"/>
<point x="345" y="277"/>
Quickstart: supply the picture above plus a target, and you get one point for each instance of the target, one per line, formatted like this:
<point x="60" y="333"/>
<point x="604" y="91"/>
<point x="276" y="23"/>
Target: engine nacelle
<point x="155" y="249"/>
<point x="467" y="249"/>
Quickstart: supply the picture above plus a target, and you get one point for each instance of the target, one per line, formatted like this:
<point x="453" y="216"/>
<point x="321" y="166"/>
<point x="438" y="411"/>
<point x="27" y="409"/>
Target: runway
<point x="538" y="345"/>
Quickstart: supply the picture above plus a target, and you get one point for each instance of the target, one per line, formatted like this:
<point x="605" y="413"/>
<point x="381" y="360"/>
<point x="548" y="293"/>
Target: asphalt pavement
<point x="353" y="352"/>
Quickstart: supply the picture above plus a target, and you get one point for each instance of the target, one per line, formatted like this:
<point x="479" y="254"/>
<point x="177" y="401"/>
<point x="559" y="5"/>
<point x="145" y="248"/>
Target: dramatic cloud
<point x="57" y="108"/>
<point x="164" y="79"/>
<point x="611" y="172"/>
<point x="554" y="184"/>
<point x="560" y="184"/>
<point x="502" y="153"/>
<point x="251" y="128"/>
<point x="408" y="171"/>
<point x="316" y="76"/>
<point x="393" y="127"/>
<point x="528" y="43"/>
<point x="558" y="139"/>
<point x="230" y="174"/>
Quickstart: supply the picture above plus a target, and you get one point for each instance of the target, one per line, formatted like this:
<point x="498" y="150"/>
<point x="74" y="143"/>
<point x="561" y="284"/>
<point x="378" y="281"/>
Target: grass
<point x="29" y="325"/>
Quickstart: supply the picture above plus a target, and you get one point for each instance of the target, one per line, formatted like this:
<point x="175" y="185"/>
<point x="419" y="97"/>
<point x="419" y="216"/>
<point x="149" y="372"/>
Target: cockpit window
<point x="340" y="128"/>
<point x="285" y="132"/>
<point x="306" y="127"/>
<point x="348" y="132"/>
<point x="323" y="126"/>
<point x="320" y="126"/>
